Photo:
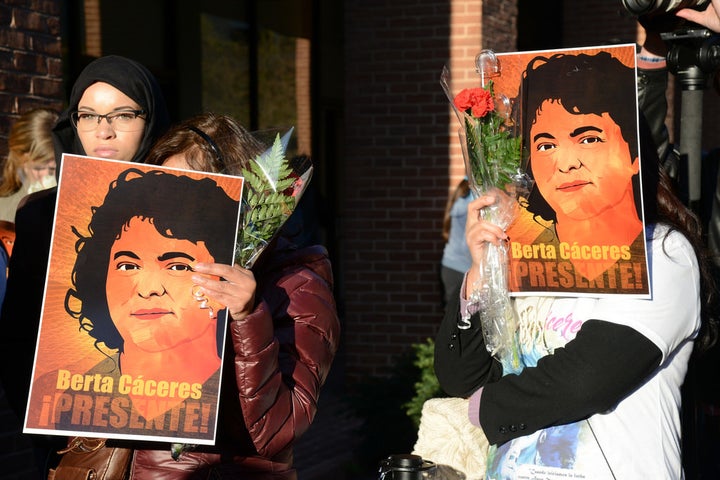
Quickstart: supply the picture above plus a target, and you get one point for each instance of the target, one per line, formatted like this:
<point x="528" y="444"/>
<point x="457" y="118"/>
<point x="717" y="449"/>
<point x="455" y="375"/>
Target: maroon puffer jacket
<point x="276" y="360"/>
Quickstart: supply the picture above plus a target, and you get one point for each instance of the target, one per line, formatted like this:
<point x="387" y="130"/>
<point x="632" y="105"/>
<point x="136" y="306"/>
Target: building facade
<point x="362" y="77"/>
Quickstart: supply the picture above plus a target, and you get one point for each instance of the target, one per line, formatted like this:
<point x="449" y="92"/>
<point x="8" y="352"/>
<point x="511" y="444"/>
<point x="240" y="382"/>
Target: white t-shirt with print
<point x="640" y="438"/>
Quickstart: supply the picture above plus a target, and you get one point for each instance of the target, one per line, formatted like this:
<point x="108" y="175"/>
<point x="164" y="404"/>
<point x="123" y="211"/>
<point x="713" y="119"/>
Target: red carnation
<point x="477" y="100"/>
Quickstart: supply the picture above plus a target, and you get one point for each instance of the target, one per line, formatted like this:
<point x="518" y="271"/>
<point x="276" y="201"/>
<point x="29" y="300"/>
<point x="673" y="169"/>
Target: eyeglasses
<point x="121" y="121"/>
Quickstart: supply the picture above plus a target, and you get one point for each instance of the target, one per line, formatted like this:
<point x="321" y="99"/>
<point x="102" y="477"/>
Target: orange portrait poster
<point x="581" y="228"/>
<point x="128" y="346"/>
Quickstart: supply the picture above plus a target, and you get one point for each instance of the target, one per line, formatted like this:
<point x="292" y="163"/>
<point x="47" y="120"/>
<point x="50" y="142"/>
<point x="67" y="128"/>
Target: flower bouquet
<point x="273" y="188"/>
<point x="491" y="147"/>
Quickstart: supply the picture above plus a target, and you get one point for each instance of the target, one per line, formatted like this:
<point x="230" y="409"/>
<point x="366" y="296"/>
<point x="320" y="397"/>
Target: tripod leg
<point x="690" y="142"/>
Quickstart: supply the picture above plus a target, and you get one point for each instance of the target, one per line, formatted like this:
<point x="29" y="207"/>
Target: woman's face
<point x="180" y="160"/>
<point x="36" y="171"/>
<point x="509" y="463"/>
<point x="150" y="289"/>
<point x="177" y="161"/>
<point x="581" y="163"/>
<point x="104" y="141"/>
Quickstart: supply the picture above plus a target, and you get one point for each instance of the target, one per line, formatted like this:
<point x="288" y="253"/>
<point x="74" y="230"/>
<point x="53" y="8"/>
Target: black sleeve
<point x="462" y="363"/>
<point x="21" y="308"/>
<point x="591" y="374"/>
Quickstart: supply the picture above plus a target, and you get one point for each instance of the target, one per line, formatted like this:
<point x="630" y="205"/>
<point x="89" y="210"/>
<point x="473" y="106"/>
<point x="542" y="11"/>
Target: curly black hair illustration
<point x="178" y="206"/>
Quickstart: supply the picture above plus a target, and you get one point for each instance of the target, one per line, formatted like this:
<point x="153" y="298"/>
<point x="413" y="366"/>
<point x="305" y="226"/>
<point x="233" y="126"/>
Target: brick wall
<point x="499" y="25"/>
<point x="396" y="176"/>
<point x="402" y="158"/>
<point x="30" y="64"/>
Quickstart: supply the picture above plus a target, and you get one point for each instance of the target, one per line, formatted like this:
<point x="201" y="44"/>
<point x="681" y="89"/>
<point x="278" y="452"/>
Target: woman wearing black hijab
<point x="108" y="85"/>
<point x="130" y="78"/>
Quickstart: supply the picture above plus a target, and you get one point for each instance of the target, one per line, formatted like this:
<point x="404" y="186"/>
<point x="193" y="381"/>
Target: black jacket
<point x="24" y="296"/>
<point x="589" y="375"/>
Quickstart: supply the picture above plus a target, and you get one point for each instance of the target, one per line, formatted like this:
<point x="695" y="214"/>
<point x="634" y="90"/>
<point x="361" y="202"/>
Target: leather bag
<point x="91" y="459"/>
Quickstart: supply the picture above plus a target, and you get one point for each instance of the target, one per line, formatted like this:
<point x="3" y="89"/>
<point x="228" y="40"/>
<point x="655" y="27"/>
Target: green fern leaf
<point x="267" y="206"/>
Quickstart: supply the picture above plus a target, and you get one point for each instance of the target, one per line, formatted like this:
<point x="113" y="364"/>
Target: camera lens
<point x="644" y="7"/>
<point x="638" y="7"/>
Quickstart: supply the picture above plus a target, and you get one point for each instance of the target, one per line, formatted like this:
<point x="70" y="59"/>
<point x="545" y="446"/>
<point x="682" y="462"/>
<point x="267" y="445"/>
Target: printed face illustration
<point x="581" y="163"/>
<point x="7" y="235"/>
<point x="106" y="140"/>
<point x="510" y="463"/>
<point x="557" y="445"/>
<point x="149" y="288"/>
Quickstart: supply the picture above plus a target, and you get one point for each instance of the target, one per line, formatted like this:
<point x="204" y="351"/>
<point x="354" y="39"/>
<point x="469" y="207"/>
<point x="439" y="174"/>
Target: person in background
<point x="116" y="110"/>
<point x="283" y="332"/>
<point x="652" y="74"/>
<point x="652" y="82"/>
<point x="456" y="257"/>
<point x="30" y="165"/>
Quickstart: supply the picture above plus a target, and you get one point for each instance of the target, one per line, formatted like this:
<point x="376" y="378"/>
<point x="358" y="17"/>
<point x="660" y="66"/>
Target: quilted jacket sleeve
<point x="284" y="349"/>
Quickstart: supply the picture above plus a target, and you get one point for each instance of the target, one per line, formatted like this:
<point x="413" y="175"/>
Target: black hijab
<point x="131" y="78"/>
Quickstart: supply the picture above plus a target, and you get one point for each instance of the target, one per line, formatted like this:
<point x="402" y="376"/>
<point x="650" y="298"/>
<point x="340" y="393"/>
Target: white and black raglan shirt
<point x="600" y="392"/>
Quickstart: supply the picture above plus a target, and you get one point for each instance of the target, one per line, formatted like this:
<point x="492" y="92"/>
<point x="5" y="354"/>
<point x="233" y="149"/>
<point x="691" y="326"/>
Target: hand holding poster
<point x="127" y="348"/>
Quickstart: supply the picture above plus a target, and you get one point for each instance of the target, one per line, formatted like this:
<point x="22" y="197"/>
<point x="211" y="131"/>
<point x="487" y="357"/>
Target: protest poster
<point x="128" y="347"/>
<point x="581" y="230"/>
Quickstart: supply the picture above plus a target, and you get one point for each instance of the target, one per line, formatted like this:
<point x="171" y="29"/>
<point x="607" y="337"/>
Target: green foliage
<point x="494" y="151"/>
<point x="428" y="386"/>
<point x="266" y="204"/>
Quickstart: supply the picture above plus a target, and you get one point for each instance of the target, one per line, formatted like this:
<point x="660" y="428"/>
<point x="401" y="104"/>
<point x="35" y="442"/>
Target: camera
<point x="652" y="7"/>
<point x="407" y="467"/>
